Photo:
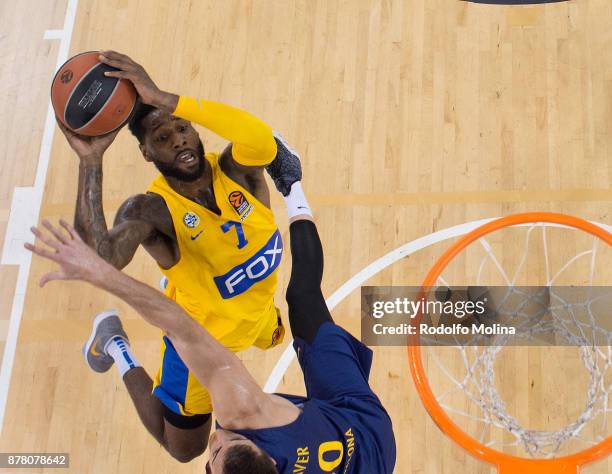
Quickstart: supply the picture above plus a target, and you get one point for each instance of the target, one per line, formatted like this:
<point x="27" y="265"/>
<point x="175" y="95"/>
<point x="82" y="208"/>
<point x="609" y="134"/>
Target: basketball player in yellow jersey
<point x="206" y="220"/>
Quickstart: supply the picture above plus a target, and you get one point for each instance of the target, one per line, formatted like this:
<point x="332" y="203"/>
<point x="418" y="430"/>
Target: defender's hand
<point x="76" y="260"/>
<point x="147" y="90"/>
<point x="89" y="149"/>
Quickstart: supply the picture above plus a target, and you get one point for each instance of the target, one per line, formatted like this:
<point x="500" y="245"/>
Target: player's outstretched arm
<point x="253" y="143"/>
<point x="235" y="394"/>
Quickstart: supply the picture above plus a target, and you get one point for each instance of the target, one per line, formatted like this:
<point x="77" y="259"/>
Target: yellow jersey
<point x="225" y="277"/>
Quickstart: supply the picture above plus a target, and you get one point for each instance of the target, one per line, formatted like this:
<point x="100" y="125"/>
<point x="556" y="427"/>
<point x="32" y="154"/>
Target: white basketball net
<point x="571" y="322"/>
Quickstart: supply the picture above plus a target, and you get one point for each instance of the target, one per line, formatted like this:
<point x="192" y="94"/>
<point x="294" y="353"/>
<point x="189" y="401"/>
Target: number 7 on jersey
<point x="242" y="241"/>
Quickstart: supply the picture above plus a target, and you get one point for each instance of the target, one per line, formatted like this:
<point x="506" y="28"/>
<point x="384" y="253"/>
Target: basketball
<point x="88" y="102"/>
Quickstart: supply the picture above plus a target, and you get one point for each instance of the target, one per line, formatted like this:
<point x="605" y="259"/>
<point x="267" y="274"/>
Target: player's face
<point x="174" y="146"/>
<point x="220" y="441"/>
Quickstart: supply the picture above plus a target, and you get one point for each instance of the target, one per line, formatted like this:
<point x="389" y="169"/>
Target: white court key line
<point x="53" y="35"/>
<point x="372" y="269"/>
<point x="25" y="209"/>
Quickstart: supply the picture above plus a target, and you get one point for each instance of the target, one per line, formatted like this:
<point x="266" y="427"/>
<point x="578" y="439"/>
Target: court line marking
<point x="53" y="34"/>
<point x="463" y="197"/>
<point x="372" y="269"/>
<point x="407" y="199"/>
<point x="25" y="210"/>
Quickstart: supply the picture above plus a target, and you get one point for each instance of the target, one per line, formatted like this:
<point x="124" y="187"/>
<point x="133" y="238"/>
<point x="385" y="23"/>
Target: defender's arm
<point x="235" y="394"/>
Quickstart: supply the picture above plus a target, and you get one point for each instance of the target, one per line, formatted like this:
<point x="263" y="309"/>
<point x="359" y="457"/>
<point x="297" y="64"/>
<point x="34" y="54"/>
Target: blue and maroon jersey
<point x="343" y="427"/>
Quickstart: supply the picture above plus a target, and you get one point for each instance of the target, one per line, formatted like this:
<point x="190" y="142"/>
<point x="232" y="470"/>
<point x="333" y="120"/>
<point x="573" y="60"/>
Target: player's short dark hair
<point x="135" y="123"/>
<point x="242" y="458"/>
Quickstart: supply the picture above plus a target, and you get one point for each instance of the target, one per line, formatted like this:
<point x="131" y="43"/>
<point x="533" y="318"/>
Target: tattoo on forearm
<point x="116" y="246"/>
<point x="89" y="219"/>
<point x="125" y="245"/>
<point x="105" y="250"/>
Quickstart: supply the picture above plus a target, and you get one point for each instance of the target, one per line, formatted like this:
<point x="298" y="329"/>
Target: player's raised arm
<point x="235" y="394"/>
<point x="252" y="139"/>
<point x="117" y="245"/>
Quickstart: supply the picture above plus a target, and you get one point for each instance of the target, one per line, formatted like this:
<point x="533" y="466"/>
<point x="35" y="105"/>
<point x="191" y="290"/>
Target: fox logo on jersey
<point x="240" y="278"/>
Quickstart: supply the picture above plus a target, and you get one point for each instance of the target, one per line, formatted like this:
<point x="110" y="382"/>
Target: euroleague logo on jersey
<point x="240" y="204"/>
<point x="238" y="201"/>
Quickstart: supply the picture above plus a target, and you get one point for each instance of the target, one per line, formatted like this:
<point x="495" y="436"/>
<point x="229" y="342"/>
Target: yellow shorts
<point x="178" y="389"/>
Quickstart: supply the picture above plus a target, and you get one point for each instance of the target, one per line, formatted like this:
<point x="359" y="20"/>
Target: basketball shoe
<point x="106" y="327"/>
<point x="286" y="168"/>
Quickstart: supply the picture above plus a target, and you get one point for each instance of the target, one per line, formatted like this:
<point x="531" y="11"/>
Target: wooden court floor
<point x="410" y="115"/>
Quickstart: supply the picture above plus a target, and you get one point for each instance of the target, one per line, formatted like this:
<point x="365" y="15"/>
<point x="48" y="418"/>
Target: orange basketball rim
<point x="505" y="463"/>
